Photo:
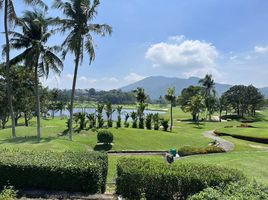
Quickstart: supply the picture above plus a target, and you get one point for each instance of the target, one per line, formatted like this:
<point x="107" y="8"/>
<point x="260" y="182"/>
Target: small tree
<point x="156" y="121"/>
<point x="141" y="109"/>
<point x="164" y="124"/>
<point x="100" y="115"/>
<point x="92" y="120"/>
<point x="126" y="120"/>
<point x="119" y="110"/>
<point x="81" y="119"/>
<point x="109" y="112"/>
<point x="170" y="96"/>
<point x="133" y="116"/>
<point x="196" y="105"/>
<point x="148" y="121"/>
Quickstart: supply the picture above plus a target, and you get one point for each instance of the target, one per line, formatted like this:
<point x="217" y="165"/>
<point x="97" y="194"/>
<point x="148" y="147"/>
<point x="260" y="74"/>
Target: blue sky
<point x="173" y="38"/>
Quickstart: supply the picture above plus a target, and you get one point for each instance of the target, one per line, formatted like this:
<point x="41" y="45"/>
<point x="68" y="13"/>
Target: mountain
<point x="157" y="85"/>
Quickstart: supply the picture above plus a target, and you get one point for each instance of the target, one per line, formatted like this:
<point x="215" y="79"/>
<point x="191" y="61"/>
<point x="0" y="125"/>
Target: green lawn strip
<point x="252" y="163"/>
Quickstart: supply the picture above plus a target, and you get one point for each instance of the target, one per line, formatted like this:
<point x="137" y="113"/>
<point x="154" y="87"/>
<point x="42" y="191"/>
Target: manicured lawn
<point x="253" y="164"/>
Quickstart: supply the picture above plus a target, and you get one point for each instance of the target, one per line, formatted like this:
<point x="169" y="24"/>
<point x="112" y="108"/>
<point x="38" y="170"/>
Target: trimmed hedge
<point x="154" y="180"/>
<point x="69" y="171"/>
<point x="105" y="137"/>
<point x="234" y="191"/>
<point x="187" y="150"/>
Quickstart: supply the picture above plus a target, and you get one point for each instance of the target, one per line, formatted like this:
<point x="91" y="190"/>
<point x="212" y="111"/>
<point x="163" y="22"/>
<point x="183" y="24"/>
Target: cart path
<point x="226" y="145"/>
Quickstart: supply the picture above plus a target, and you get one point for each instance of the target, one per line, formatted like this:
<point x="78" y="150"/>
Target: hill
<point x="157" y="85"/>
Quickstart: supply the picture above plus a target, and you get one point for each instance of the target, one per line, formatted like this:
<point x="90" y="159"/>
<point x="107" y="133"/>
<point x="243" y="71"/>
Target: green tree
<point x="109" y="112"/>
<point x="9" y="18"/>
<point x="100" y="108"/>
<point x="36" y="55"/>
<point x="196" y="105"/>
<point x="133" y="116"/>
<point x="79" y="15"/>
<point x="209" y="93"/>
<point x="119" y="111"/>
<point x="156" y="121"/>
<point x="171" y="97"/>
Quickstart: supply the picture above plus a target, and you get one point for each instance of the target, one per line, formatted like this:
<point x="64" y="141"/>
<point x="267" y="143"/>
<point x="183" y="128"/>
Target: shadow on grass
<point x="29" y="139"/>
<point x="103" y="147"/>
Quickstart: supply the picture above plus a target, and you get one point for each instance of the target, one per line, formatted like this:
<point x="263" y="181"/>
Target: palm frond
<point x="37" y="3"/>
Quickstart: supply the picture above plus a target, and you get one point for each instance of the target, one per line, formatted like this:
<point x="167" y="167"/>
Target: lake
<point x="93" y="110"/>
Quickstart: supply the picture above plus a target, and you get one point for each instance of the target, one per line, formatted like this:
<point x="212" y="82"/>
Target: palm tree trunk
<point x="37" y="103"/>
<point x="72" y="96"/>
<point x="171" y="116"/>
<point x="7" y="72"/>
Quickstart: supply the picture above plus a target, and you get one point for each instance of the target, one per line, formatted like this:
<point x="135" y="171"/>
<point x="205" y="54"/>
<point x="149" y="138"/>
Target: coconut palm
<point x="36" y="54"/>
<point x="209" y="91"/>
<point x="171" y="97"/>
<point x="9" y="18"/>
<point x="79" y="15"/>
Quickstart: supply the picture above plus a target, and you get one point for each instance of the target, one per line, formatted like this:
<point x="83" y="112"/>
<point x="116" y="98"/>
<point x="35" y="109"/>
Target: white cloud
<point x="261" y="49"/>
<point x="111" y="79"/>
<point x="133" y="77"/>
<point x="177" y="38"/>
<point x="84" y="79"/>
<point x="188" y="54"/>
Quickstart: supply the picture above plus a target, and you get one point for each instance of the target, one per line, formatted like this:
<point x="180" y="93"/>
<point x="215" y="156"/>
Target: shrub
<point x="8" y="193"/>
<point x="156" y="121"/>
<point x="158" y="180"/>
<point x="164" y="123"/>
<point x="105" y="137"/>
<point x="148" y="121"/>
<point x="233" y="191"/>
<point x="187" y="150"/>
<point x="68" y="171"/>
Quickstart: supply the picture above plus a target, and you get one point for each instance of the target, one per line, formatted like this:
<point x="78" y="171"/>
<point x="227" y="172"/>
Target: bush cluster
<point x="105" y="136"/>
<point x="157" y="180"/>
<point x="233" y="191"/>
<point x="69" y="171"/>
<point x="187" y="150"/>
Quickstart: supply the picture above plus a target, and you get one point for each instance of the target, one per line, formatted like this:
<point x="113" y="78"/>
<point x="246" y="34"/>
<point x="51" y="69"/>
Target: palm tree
<point x="79" y="14"/>
<point x="171" y="97"/>
<point x="140" y="95"/>
<point x="36" y="55"/>
<point x="9" y="17"/>
<point x="209" y="91"/>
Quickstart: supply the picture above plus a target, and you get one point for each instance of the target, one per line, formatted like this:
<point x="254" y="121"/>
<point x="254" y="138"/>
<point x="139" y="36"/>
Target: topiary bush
<point x="105" y="136"/>
<point x="187" y="150"/>
<point x="164" y="124"/>
<point x="68" y="171"/>
<point x="158" y="180"/>
<point x="235" y="191"/>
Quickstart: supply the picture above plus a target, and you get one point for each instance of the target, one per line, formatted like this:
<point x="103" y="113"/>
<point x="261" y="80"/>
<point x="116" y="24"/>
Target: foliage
<point x="134" y="119"/>
<point x="109" y="112"/>
<point x="141" y="96"/>
<point x="140" y="113"/>
<point x="81" y="119"/>
<point x="69" y="171"/>
<point x="92" y="120"/>
<point x="8" y="193"/>
<point x="119" y="110"/>
<point x="105" y="136"/>
<point x="236" y="191"/>
<point x="195" y="106"/>
<point x="148" y="121"/>
<point x="157" y="180"/>
<point x="126" y="123"/>
<point x="164" y="124"/>
<point x="187" y="150"/>
<point x="100" y="115"/>
<point x="156" y="121"/>
<point x="186" y="95"/>
<point x="171" y="97"/>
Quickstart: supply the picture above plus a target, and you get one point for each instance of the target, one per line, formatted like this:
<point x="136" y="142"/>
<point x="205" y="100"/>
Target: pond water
<point x="93" y="110"/>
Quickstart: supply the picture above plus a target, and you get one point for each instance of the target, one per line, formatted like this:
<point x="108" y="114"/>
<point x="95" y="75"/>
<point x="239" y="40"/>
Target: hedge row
<point x="235" y="191"/>
<point x="187" y="150"/>
<point x="69" y="171"/>
<point x="154" y="180"/>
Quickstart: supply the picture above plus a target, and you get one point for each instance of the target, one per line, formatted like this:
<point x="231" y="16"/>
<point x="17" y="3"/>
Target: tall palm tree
<point x="171" y="97"/>
<point x="36" y="54"/>
<point x="79" y="15"/>
<point x="9" y="17"/>
<point x="209" y="91"/>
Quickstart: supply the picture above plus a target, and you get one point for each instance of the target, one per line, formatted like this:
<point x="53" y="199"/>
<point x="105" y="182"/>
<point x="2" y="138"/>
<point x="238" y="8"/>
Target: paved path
<point x="226" y="145"/>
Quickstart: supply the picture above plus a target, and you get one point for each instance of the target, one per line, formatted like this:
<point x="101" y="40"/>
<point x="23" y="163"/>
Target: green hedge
<point x="235" y="191"/>
<point x="69" y="171"/>
<point x="154" y="180"/>
<point x="187" y="150"/>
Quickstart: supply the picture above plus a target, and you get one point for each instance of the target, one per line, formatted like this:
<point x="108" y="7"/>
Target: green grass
<point x="252" y="163"/>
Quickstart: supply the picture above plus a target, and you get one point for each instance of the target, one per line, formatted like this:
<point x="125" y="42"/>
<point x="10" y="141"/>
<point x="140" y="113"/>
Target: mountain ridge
<point x="156" y="86"/>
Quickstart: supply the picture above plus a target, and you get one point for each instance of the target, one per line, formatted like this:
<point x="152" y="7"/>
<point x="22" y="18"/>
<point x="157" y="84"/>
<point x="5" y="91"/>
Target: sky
<point x="174" y="38"/>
